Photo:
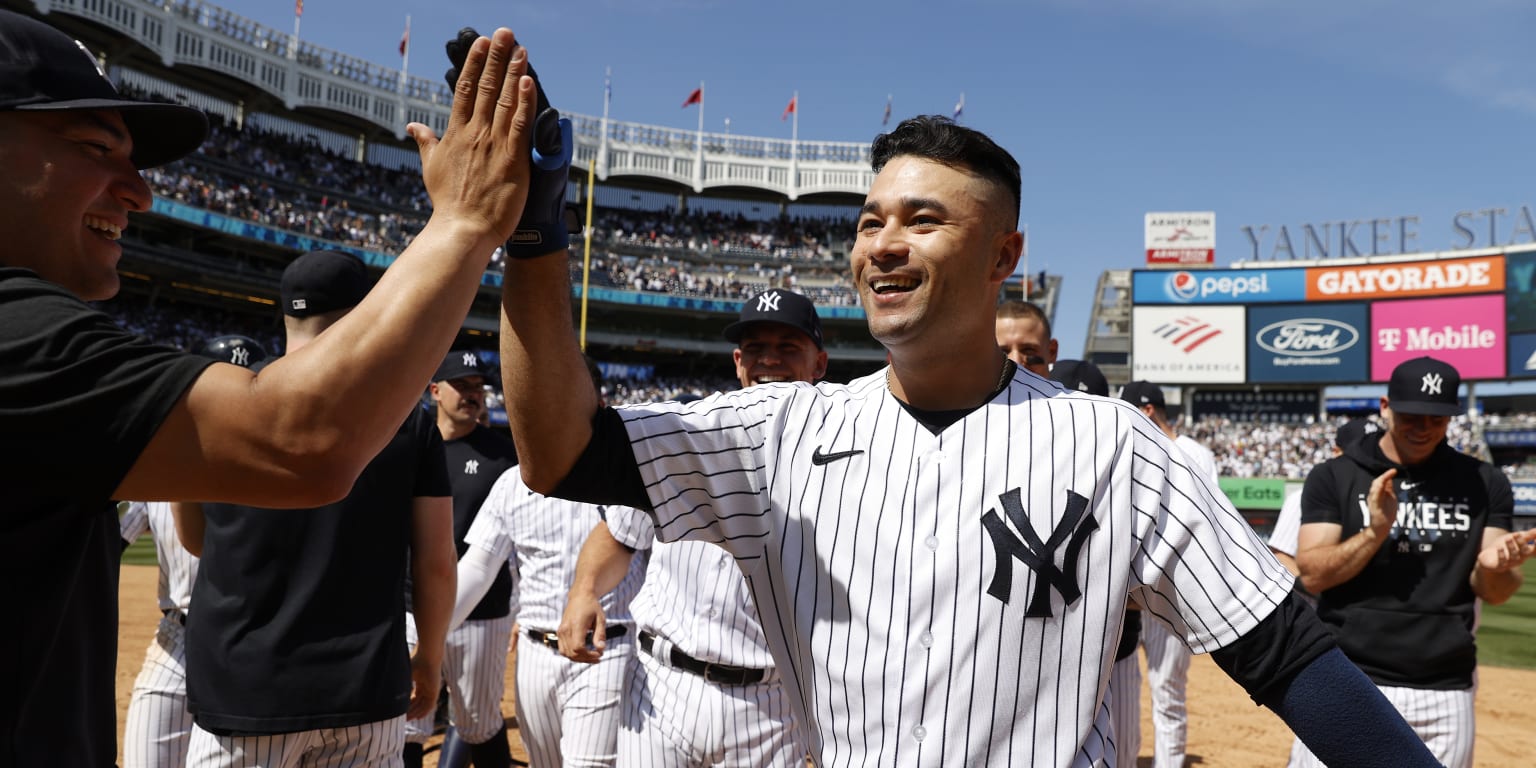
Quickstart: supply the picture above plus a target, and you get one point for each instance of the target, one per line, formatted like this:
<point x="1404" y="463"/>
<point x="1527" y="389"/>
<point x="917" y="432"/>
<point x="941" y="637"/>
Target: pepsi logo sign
<point x="1307" y="337"/>
<point x="1183" y="286"/>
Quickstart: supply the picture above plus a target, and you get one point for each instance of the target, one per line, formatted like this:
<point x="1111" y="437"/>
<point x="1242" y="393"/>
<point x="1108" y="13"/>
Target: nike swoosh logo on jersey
<point x="1410" y="486"/>
<point x="818" y="458"/>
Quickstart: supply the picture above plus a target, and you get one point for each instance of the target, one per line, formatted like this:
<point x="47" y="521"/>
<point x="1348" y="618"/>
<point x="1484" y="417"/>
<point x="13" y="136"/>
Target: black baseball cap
<point x="777" y="305"/>
<point x="1425" y="385"/>
<point x="1139" y="393"/>
<point x="45" y="70"/>
<point x="234" y="349"/>
<point x="322" y="281"/>
<point x="1080" y="375"/>
<point x="461" y="364"/>
<point x="1355" y="430"/>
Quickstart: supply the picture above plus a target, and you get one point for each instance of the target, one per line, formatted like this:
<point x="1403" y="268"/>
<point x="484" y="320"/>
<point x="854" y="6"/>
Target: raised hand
<point x="477" y="174"/>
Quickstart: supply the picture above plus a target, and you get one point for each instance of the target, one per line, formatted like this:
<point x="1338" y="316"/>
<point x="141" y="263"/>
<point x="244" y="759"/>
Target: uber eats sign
<point x="1254" y="492"/>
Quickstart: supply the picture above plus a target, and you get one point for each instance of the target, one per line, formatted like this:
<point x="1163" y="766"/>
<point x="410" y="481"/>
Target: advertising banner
<point x="1520" y="292"/>
<point x="1272" y="406"/>
<point x="1525" y="498"/>
<point x="1483" y="274"/>
<point x="1187" y="345"/>
<point x="1226" y="286"/>
<point x="1467" y="332"/>
<point x="1309" y="343"/>
<point x="1254" y="492"/>
<point x="1181" y="238"/>
<point x="1522" y="355"/>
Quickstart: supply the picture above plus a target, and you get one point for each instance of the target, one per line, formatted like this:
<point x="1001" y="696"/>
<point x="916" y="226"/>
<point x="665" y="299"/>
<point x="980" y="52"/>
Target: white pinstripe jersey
<point x="693" y="595"/>
<point x="541" y="538"/>
<point x="892" y="571"/>
<point x="178" y="567"/>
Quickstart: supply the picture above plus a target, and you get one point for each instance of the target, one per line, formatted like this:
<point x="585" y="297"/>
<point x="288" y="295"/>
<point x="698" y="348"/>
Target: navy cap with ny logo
<point x="1425" y="385"/>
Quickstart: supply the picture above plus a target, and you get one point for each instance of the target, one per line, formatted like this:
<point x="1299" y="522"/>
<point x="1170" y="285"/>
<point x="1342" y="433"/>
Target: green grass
<point x="1507" y="636"/>
<point x="141" y="552"/>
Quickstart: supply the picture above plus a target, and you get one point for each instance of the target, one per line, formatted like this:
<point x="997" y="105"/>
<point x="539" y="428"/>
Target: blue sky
<point x="1266" y="112"/>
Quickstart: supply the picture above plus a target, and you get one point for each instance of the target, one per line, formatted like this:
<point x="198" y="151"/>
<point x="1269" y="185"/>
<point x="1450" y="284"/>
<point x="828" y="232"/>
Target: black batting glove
<point x="542" y="229"/>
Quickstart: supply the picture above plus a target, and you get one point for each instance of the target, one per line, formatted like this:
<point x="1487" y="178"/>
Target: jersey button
<point x="919" y="733"/>
<point x="932" y="542"/>
<point x="926" y="639"/>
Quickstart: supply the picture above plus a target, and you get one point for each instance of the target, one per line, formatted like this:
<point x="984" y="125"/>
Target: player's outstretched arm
<point x="600" y="568"/>
<point x="1326" y="561"/>
<point x="299" y="432"/>
<point x="1497" y="575"/>
<point x="433" y="560"/>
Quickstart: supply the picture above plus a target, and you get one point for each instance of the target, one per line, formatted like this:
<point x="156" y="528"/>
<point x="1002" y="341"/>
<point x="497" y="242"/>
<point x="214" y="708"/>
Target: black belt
<point x="552" y="640"/>
<point x="176" y="615"/>
<point x="723" y="674"/>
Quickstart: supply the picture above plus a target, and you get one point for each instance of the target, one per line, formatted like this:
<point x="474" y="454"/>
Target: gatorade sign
<point x="1483" y="274"/>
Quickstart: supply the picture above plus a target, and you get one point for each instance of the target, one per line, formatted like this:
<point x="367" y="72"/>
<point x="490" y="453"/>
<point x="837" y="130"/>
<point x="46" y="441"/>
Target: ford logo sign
<point x="1307" y="337"/>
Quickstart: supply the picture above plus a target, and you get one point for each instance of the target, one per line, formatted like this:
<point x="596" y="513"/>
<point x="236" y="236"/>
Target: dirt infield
<point x="1225" y="727"/>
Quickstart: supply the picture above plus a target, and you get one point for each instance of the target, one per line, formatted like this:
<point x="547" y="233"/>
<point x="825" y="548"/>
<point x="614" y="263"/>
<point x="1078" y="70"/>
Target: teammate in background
<point x="945" y="522"/>
<point x="706" y="691"/>
<point x="159" y="725"/>
<point x="296" y="641"/>
<point x="567" y="713"/>
<point x="475" y="657"/>
<point x="1124" y="697"/>
<point x="1282" y="538"/>
<point x="1399" y="538"/>
<point x="1167" y="655"/>
<point x="1024" y="335"/>
<point x="161" y="424"/>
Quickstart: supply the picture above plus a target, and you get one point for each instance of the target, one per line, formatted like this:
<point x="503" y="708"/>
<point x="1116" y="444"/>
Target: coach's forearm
<point x="1496" y="587"/>
<point x="550" y="397"/>
<point x="190" y="525"/>
<point x="1329" y="565"/>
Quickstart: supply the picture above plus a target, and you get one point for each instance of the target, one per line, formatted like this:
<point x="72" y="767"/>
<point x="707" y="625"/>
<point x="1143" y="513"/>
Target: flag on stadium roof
<point x="960" y="105"/>
<point x="697" y="97"/>
<point x="298" y="7"/>
<point x="789" y="109"/>
<point x="405" y="39"/>
<point x="887" y="119"/>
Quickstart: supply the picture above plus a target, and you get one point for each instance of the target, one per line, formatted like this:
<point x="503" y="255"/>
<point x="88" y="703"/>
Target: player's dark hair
<point x="1011" y="308"/>
<point x="942" y="140"/>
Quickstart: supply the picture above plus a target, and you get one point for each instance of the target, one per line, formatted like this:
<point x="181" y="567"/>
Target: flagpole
<point x="405" y="52"/>
<point x="602" y="141"/>
<point x="698" y="165"/>
<point x="298" y="13"/>
<point x="586" y="251"/>
<point x="794" y="148"/>
<point x="1025" y="282"/>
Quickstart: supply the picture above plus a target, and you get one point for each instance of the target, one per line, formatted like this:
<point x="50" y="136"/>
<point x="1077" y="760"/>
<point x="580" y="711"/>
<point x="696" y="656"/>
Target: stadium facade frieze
<point x="1468" y="229"/>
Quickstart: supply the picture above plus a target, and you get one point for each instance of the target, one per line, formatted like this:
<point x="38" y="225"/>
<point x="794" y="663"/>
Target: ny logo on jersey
<point x="768" y="302"/>
<point x="1038" y="556"/>
<point x="472" y="467"/>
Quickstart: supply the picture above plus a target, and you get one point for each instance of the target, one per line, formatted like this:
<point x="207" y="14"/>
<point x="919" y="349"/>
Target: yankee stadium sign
<point x="1482" y="228"/>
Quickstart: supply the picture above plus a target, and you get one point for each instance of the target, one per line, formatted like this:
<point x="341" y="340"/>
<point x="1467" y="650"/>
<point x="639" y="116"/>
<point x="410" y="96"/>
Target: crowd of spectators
<point x="1266" y="449"/>
<point x="188" y="326"/>
<point x="274" y="179"/>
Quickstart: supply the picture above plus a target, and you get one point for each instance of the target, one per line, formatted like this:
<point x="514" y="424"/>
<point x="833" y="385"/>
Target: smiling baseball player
<point x="941" y="552"/>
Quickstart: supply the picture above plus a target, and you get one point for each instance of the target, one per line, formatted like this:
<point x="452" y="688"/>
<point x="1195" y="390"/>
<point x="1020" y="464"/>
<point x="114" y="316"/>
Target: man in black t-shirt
<point x="296" y="640"/>
<point x="1399" y="537"/>
<point x="476" y="655"/>
<point x="90" y="413"/>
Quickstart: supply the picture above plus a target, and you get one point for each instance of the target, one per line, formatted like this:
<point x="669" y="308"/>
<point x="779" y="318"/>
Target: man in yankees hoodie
<point x="1400" y="535"/>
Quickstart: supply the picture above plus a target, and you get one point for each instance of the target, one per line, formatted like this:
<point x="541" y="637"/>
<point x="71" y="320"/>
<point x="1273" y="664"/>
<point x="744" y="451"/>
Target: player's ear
<point x="1010" y="248"/>
<point x="821" y="366"/>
